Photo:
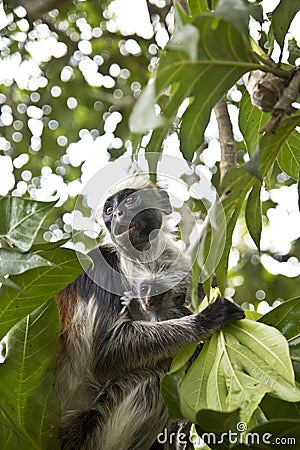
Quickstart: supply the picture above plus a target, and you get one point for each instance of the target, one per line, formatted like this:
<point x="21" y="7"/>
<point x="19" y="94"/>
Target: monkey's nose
<point x="119" y="213"/>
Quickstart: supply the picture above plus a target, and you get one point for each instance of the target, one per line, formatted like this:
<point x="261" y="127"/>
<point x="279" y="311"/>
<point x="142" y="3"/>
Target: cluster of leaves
<point x="29" y="325"/>
<point x="206" y="55"/>
<point x="243" y="375"/>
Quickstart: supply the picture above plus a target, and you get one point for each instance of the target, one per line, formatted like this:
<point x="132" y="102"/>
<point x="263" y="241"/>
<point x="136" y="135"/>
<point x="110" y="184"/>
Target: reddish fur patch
<point x="67" y="300"/>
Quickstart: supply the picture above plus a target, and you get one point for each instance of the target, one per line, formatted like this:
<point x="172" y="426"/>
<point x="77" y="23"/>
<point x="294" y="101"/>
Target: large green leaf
<point x="253" y="213"/>
<point x="281" y="434"/>
<point x="274" y="408"/>
<point x="212" y="243"/>
<point x="202" y="61"/>
<point x="236" y="368"/>
<point x="235" y="186"/>
<point x="143" y="118"/>
<point x="282" y="17"/>
<point x="223" y="55"/>
<point x="251" y="121"/>
<point x="197" y="7"/>
<point x="170" y="384"/>
<point x="13" y="262"/>
<point x="271" y="143"/>
<point x="239" y="15"/>
<point x="20" y="220"/>
<point x="37" y="286"/>
<point x="214" y="427"/>
<point x="289" y="155"/>
<point x="29" y="406"/>
<point x="286" y="319"/>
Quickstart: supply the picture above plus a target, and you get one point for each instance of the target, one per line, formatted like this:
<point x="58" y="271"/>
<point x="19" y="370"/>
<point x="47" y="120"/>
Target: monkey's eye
<point x="145" y="289"/>
<point x="109" y="210"/>
<point x="130" y="200"/>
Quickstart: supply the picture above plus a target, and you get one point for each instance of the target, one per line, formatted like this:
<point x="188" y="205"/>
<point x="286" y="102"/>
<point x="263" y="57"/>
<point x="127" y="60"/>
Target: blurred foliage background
<point x="70" y="73"/>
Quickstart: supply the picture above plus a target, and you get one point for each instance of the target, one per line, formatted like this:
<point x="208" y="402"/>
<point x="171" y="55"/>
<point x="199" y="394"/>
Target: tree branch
<point x="226" y="138"/>
<point x="36" y="8"/>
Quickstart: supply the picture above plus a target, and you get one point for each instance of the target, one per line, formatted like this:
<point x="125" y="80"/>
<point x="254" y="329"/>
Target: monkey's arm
<point x="138" y="344"/>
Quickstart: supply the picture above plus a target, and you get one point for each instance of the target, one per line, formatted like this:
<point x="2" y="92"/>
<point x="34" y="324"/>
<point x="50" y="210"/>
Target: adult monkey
<point x="109" y="366"/>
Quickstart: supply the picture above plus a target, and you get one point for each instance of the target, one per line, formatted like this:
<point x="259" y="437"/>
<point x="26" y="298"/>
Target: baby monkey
<point x="157" y="297"/>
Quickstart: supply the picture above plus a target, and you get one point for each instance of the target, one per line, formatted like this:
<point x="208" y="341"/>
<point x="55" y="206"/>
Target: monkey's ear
<point x="164" y="202"/>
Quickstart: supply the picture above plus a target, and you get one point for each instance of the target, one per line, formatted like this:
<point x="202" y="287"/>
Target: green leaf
<point x="274" y="408"/>
<point x="170" y="111"/>
<point x="285" y="318"/>
<point x="43" y="246"/>
<point x="13" y="262"/>
<point x="251" y="121"/>
<point x="235" y="186"/>
<point x="253" y="213"/>
<point x="289" y="156"/>
<point x="186" y="40"/>
<point x="172" y="380"/>
<point x="217" y="421"/>
<point x="236" y="368"/>
<point x="20" y="220"/>
<point x="197" y="6"/>
<point x="143" y="116"/>
<point x="281" y="433"/>
<point x="29" y="406"/>
<point x="282" y="17"/>
<point x="205" y="67"/>
<point x="7" y="282"/>
<point x="271" y="143"/>
<point x="252" y="315"/>
<point x="170" y="391"/>
<point x="181" y="359"/>
<point x="223" y="55"/>
<point x="212" y="242"/>
<point x="237" y="16"/>
<point x="213" y="427"/>
<point x="37" y="286"/>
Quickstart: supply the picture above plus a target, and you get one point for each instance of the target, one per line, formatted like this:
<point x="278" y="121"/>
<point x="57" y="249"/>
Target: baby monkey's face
<point x="151" y="296"/>
<point x="156" y="296"/>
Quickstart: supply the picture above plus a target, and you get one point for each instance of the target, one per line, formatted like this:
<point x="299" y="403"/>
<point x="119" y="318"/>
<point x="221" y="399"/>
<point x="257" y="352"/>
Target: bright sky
<point x="283" y="217"/>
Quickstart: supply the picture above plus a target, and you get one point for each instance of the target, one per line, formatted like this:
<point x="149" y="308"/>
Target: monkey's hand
<point x="219" y="314"/>
<point x="127" y="298"/>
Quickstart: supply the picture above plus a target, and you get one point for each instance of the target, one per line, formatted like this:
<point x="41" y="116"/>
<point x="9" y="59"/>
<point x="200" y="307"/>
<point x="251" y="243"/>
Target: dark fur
<point x="110" y="367"/>
<point x="157" y="297"/>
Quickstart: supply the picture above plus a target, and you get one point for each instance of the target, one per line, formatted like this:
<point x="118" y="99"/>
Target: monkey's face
<point x="157" y="295"/>
<point x="151" y="296"/>
<point x="133" y="217"/>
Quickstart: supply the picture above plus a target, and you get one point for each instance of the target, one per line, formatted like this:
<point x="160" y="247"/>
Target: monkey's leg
<point x="127" y="415"/>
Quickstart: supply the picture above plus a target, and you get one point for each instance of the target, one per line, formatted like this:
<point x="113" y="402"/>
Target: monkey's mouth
<point x="147" y="305"/>
<point x="121" y="230"/>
